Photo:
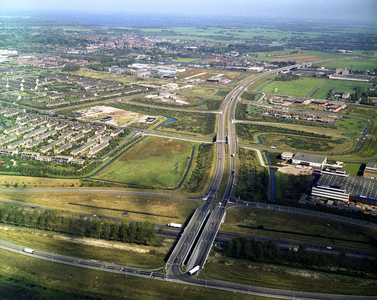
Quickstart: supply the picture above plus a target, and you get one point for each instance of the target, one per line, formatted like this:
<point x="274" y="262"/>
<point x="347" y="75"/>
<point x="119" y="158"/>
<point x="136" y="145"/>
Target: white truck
<point x="175" y="225"/>
<point x="28" y="250"/>
<point x="194" y="270"/>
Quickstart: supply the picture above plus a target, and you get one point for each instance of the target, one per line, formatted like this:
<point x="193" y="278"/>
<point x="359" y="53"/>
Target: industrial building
<point x="370" y="170"/>
<point x="309" y="160"/>
<point x="342" y="188"/>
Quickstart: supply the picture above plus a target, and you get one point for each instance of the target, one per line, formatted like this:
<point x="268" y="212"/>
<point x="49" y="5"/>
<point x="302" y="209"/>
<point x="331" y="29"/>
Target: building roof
<point x="310" y="158"/>
<point x="353" y="184"/>
<point x="371" y="165"/>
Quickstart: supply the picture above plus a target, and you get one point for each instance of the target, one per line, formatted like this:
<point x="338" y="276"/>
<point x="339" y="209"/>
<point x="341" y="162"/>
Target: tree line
<point x="78" y="224"/>
<point x="200" y="174"/>
<point x="269" y="251"/>
<point x="252" y="182"/>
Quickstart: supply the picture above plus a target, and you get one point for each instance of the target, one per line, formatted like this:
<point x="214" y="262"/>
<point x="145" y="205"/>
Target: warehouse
<point x="309" y="160"/>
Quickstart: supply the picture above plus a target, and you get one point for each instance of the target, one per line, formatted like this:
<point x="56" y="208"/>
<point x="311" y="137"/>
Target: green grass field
<point x="334" y="145"/>
<point x="142" y="208"/>
<point x="284" y="277"/>
<point x="350" y="124"/>
<point x="301" y="87"/>
<point x="362" y="111"/>
<point x="93" y="284"/>
<point x="355" y="169"/>
<point x="298" y="228"/>
<point x="341" y="87"/>
<point x="357" y="64"/>
<point x="153" y="162"/>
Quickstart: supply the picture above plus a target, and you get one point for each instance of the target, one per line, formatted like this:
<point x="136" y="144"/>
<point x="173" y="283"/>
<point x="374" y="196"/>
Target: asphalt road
<point x="183" y="279"/>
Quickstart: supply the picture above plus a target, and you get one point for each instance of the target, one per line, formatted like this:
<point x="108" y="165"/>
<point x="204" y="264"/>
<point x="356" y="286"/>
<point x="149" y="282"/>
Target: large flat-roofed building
<point x="370" y="170"/>
<point x="351" y="188"/>
<point x="309" y="160"/>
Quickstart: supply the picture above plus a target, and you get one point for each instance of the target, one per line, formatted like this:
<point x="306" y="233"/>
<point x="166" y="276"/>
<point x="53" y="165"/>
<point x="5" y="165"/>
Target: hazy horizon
<point x="362" y="10"/>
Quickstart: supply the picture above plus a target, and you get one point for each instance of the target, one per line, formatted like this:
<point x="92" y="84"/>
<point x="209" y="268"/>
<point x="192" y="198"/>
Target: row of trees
<point x="269" y="251"/>
<point x="79" y="224"/>
<point x="200" y="174"/>
<point x="252" y="182"/>
<point x="286" y="77"/>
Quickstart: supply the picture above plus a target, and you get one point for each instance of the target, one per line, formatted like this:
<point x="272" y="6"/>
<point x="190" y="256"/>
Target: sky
<point x="282" y="9"/>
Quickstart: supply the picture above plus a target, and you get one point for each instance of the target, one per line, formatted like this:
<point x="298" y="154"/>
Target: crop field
<point x="299" y="228"/>
<point x="155" y="162"/>
<point x="301" y="87"/>
<point x="339" y="85"/>
<point x="235" y="32"/>
<point x="357" y="64"/>
<point x="140" y="207"/>
<point x="336" y="145"/>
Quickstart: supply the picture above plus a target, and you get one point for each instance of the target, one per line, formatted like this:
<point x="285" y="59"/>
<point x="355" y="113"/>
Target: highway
<point x="183" y="279"/>
<point x="195" y="233"/>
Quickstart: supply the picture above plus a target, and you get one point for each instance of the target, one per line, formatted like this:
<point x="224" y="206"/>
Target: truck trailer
<point x="175" y="225"/>
<point x="194" y="270"/>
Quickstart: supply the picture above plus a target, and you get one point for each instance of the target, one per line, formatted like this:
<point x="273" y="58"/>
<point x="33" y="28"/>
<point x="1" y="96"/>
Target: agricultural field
<point x="142" y="208"/>
<point x="356" y="64"/>
<point x="298" y="228"/>
<point x="339" y="85"/>
<point x="154" y="162"/>
<point x="301" y="87"/>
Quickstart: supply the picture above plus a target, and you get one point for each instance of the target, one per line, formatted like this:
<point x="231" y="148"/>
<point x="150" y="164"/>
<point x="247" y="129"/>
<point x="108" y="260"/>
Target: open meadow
<point x="139" y="207"/>
<point x="339" y="86"/>
<point x="298" y="228"/>
<point x="354" y="64"/>
<point x="284" y="277"/>
<point x="301" y="87"/>
<point x="40" y="279"/>
<point x="154" y="162"/>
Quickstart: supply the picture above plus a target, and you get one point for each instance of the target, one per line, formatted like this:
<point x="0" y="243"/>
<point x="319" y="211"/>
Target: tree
<point x="106" y="229"/>
<point x="115" y="231"/>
